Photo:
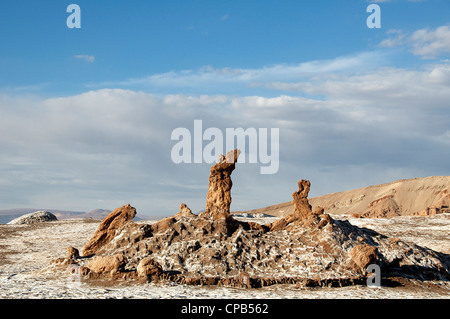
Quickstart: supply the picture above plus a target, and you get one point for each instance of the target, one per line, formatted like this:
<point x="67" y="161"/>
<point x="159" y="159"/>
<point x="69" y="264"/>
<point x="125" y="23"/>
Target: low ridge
<point x="417" y="196"/>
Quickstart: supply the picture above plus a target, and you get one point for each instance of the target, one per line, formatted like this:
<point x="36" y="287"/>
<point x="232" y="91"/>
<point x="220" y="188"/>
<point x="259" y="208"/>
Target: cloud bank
<point x="344" y="123"/>
<point x="426" y="43"/>
<point x="107" y="147"/>
<point x="208" y="77"/>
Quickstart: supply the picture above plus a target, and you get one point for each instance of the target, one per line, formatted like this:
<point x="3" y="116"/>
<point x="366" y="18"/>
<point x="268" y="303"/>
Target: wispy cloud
<point x="396" y="37"/>
<point x="431" y="43"/>
<point x="86" y="58"/>
<point x="425" y="43"/>
<point x="209" y="76"/>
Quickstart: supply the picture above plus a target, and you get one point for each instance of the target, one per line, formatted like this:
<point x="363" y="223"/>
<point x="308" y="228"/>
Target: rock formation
<point x="108" y="265"/>
<point x="218" y="198"/>
<point x="302" y="208"/>
<point x="72" y="253"/>
<point x="363" y="255"/>
<point x="308" y="248"/>
<point x="32" y="218"/>
<point x="384" y="207"/>
<point x="302" y="213"/>
<point x="149" y="270"/>
<point x="441" y="207"/>
<point x="108" y="227"/>
<point x="185" y="211"/>
<point x="200" y="251"/>
<point x="407" y="197"/>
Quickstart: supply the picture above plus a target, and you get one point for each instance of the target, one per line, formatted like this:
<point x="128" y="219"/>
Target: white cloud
<point x="396" y="38"/>
<point x="86" y="58"/>
<point x="361" y="123"/>
<point x="113" y="146"/>
<point x="431" y="43"/>
<point x="213" y="77"/>
<point x="426" y="43"/>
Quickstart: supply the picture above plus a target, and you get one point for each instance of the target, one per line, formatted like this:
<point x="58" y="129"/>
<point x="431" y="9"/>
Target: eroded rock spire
<point x="218" y="198"/>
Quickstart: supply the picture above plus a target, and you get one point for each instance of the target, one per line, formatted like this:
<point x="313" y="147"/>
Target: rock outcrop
<point x="200" y="251"/>
<point x="185" y="211"/>
<point x="408" y="197"/>
<point x="429" y="211"/>
<point x="384" y="207"/>
<point x="218" y="198"/>
<point x="149" y="270"/>
<point x="441" y="207"/>
<point x="108" y="265"/>
<point x="33" y="218"/>
<point x="302" y="213"/>
<point x="108" y="227"/>
<point x="307" y="248"/>
<point x="72" y="253"/>
<point x="363" y="255"/>
<point x="302" y="208"/>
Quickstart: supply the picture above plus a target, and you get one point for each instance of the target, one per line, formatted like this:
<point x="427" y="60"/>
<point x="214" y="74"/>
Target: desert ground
<point x="27" y="250"/>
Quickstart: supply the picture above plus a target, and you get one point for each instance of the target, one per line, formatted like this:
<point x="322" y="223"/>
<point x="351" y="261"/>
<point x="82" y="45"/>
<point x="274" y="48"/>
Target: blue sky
<point x="86" y="114"/>
<point x="135" y="39"/>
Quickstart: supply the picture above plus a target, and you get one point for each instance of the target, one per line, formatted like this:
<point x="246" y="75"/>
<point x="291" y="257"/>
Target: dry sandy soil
<point x="26" y="252"/>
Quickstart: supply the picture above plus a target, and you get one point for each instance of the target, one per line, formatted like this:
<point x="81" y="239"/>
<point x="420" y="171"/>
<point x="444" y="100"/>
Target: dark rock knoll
<point x="33" y="218"/>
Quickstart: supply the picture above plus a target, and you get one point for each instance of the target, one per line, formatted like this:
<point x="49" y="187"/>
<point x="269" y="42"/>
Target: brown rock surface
<point x="302" y="208"/>
<point x="384" y="207"/>
<point x="149" y="269"/>
<point x="107" y="264"/>
<point x="163" y="224"/>
<point x="363" y="255"/>
<point x="429" y="211"/>
<point x="441" y="207"/>
<point x="185" y="211"/>
<point x="108" y="227"/>
<point x="72" y="253"/>
<point x="218" y="198"/>
<point x="302" y="213"/>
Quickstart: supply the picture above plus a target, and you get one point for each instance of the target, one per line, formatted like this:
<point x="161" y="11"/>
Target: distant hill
<point x="402" y="197"/>
<point x="95" y="214"/>
<point x="7" y="215"/>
